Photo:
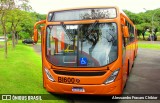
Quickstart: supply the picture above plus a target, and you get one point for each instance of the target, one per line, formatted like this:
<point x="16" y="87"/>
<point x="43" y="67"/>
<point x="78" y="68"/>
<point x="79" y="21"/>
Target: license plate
<point x="78" y="89"/>
<point x="68" y="80"/>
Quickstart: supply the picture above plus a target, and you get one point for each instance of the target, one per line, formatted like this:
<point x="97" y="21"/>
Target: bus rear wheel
<point x="127" y="75"/>
<point x="133" y="60"/>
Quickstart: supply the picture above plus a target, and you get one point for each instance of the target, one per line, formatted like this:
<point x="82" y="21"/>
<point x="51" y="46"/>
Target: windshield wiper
<point x="92" y="37"/>
<point x="67" y="32"/>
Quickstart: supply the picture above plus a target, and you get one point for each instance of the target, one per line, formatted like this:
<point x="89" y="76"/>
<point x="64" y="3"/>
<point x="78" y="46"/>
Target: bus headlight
<point x="112" y="77"/>
<point x="49" y="76"/>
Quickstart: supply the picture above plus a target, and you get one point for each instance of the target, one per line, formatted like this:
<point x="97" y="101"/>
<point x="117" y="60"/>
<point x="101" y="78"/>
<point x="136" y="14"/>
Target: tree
<point x="134" y="17"/>
<point x="16" y="16"/>
<point x="143" y="20"/>
<point x="27" y="25"/>
<point x="5" y="6"/>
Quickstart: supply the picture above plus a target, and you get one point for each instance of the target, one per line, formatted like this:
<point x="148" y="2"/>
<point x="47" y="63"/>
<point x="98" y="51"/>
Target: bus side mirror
<point x="125" y="31"/>
<point x="35" y="35"/>
<point x="36" y="31"/>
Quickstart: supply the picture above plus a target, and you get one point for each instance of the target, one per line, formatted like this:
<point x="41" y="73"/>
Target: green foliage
<point x="24" y="35"/>
<point x="158" y="33"/>
<point x="39" y="17"/>
<point x="143" y="26"/>
<point x="143" y="20"/>
<point x="28" y="24"/>
<point x="134" y="17"/>
<point x="9" y="36"/>
<point x="24" y="21"/>
<point x="1" y="33"/>
<point x="16" y="18"/>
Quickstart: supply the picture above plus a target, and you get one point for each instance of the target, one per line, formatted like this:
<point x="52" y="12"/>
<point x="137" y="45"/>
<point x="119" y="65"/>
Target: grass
<point x="148" y="46"/>
<point x="21" y="72"/>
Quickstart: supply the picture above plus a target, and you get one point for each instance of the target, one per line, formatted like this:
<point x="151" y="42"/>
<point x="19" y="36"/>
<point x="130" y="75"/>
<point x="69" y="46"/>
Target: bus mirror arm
<point x="36" y="30"/>
<point x="125" y="31"/>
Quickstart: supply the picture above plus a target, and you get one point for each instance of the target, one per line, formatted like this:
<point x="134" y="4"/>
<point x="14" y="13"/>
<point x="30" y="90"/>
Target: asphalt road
<point x="144" y="79"/>
<point x="145" y="76"/>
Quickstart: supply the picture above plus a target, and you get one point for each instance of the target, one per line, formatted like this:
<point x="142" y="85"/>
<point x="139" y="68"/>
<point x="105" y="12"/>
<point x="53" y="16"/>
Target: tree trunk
<point x="5" y="42"/>
<point x="5" y="45"/>
<point x="16" y="38"/>
<point x="13" y="39"/>
<point x="5" y="36"/>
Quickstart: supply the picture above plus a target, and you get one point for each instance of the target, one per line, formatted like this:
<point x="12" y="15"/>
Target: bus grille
<point x="95" y="73"/>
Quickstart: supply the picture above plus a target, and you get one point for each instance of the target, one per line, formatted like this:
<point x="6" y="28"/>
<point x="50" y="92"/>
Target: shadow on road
<point x="85" y="98"/>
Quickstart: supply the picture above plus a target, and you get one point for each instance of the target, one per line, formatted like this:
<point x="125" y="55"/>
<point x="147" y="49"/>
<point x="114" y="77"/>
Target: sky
<point x="136" y="6"/>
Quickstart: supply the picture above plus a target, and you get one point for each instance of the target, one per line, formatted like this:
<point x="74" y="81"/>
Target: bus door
<point x="125" y="51"/>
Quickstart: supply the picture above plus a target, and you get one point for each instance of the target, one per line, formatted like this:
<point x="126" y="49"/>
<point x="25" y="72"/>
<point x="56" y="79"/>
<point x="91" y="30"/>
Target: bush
<point x="9" y="36"/>
<point x="147" y="33"/>
<point x="158" y="33"/>
<point x="24" y="35"/>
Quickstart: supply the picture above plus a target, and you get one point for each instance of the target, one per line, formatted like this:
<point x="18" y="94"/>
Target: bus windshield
<point x="82" y="45"/>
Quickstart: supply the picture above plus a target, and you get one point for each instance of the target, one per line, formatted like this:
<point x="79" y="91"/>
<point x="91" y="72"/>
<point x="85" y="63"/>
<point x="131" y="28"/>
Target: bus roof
<point x="120" y="11"/>
<point x="84" y="7"/>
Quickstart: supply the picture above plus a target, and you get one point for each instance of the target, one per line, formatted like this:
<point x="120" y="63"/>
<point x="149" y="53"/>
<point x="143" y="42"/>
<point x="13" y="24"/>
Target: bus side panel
<point x="42" y="54"/>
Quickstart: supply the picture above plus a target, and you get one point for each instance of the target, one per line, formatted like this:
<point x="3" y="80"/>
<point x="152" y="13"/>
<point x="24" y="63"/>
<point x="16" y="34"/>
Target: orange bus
<point x="88" y="50"/>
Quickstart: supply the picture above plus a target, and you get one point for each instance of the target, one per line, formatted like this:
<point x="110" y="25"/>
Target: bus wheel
<point x="135" y="54"/>
<point x="127" y="75"/>
<point x="133" y="60"/>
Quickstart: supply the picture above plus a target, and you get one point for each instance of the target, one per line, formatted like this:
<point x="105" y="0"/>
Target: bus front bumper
<point x="114" y="88"/>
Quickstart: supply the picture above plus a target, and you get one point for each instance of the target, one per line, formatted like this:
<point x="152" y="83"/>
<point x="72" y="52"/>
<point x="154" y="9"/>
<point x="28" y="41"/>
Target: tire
<point x="133" y="59"/>
<point x="127" y="75"/>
